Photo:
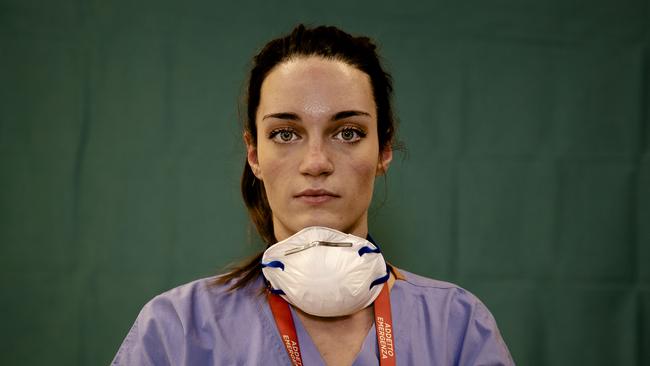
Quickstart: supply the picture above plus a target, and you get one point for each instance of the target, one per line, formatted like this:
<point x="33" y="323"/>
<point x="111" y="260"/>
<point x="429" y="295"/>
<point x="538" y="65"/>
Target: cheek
<point x="275" y="169"/>
<point x="365" y="171"/>
<point x="271" y="172"/>
<point x="269" y="160"/>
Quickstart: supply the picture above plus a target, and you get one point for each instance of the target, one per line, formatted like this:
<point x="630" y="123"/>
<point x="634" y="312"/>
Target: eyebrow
<point x="337" y="116"/>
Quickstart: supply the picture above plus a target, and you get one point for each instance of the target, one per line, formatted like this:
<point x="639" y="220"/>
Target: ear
<point x="251" y="155"/>
<point x="385" y="157"/>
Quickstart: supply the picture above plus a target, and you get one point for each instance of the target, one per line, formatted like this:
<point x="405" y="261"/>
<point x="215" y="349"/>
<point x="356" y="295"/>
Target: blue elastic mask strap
<point x="365" y="250"/>
<point x="277" y="292"/>
<point x="370" y="239"/>
<point x="273" y="264"/>
<point x="380" y="280"/>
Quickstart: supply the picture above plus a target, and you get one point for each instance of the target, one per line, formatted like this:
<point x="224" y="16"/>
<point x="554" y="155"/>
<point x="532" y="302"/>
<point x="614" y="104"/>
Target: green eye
<point x="286" y="135"/>
<point x="347" y="135"/>
<point x="350" y="135"/>
<point x="283" y="135"/>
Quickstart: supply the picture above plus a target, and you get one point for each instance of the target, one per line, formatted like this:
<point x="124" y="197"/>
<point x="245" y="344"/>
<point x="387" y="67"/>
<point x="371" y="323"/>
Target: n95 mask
<point x="325" y="272"/>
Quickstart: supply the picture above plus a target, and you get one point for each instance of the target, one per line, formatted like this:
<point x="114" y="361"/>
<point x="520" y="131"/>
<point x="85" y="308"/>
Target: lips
<point x="316" y="196"/>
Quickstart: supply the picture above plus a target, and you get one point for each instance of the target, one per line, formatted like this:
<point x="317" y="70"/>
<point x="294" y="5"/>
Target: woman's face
<point x="317" y="146"/>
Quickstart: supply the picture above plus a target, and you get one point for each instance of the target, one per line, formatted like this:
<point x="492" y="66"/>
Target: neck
<point x="361" y="317"/>
<point x="359" y="229"/>
<point x="338" y="339"/>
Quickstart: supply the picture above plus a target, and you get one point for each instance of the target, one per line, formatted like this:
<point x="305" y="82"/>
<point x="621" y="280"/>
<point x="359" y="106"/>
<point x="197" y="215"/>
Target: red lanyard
<point x="383" y="326"/>
<point x="283" y="319"/>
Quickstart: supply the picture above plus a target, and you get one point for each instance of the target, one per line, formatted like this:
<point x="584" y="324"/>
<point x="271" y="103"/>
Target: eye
<point x="350" y="134"/>
<point x="283" y="135"/>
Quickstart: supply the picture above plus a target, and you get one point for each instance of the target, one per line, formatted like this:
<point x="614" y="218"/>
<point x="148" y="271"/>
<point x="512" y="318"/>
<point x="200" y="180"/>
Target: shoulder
<point x="201" y="302"/>
<point x="187" y="320"/>
<point x="456" y="319"/>
<point x="446" y="299"/>
<point x="431" y="290"/>
<point x="200" y="297"/>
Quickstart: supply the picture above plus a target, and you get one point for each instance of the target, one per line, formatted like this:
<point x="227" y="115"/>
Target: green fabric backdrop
<point x="527" y="178"/>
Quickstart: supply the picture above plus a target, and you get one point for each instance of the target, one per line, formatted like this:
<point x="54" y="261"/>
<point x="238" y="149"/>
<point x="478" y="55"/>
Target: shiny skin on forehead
<point x="316" y="87"/>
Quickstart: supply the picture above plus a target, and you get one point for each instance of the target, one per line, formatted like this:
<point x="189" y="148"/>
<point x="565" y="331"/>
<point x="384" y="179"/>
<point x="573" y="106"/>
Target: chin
<point x="317" y="220"/>
<point x="323" y="223"/>
<point x="328" y="221"/>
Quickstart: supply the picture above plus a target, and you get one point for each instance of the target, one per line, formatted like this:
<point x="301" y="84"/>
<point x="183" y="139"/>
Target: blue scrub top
<point x="434" y="323"/>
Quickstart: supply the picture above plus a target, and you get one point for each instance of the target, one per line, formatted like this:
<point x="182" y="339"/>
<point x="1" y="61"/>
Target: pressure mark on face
<point x="317" y="149"/>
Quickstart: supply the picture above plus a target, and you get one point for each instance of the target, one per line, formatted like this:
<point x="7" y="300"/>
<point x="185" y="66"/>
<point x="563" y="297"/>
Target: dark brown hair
<point x="327" y="42"/>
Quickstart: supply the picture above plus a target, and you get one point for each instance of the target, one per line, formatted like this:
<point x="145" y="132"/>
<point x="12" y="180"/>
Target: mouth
<point x="316" y="196"/>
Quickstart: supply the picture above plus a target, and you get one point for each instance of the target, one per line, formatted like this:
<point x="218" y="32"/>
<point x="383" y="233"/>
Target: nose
<point x="316" y="161"/>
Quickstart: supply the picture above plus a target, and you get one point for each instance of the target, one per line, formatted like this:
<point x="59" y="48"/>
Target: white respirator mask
<point x="325" y="272"/>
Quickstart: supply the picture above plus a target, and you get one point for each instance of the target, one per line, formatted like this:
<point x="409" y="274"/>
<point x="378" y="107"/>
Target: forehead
<point x="316" y="84"/>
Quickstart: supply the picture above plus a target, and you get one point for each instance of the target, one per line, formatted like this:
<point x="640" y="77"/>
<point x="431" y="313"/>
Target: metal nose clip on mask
<point x="325" y="272"/>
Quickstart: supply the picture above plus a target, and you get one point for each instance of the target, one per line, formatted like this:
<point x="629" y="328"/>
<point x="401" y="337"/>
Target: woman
<point x="319" y="130"/>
